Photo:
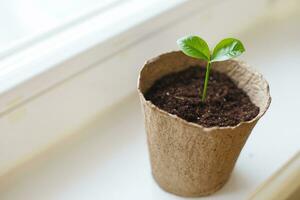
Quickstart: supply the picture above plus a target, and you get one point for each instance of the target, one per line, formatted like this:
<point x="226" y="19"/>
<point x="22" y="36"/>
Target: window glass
<point x="23" y="21"/>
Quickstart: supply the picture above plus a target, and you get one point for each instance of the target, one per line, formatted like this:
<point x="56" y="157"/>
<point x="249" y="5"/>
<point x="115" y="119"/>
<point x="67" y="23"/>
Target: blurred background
<point x="30" y="21"/>
<point x="70" y="121"/>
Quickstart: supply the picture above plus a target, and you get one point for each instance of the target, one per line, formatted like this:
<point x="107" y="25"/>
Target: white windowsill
<point x="52" y="89"/>
<point x="106" y="157"/>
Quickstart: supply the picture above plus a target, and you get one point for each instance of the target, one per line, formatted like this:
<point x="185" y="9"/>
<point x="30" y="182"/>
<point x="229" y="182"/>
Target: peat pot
<point x="188" y="159"/>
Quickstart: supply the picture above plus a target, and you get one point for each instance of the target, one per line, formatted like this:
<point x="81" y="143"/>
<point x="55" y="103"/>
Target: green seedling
<point x="196" y="47"/>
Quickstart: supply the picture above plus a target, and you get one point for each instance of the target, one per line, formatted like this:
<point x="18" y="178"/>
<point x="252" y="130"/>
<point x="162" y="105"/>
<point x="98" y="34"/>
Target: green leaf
<point x="194" y="46"/>
<point x="226" y="49"/>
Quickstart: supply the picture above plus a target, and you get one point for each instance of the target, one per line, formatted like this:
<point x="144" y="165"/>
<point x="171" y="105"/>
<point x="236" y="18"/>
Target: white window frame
<point x="93" y="39"/>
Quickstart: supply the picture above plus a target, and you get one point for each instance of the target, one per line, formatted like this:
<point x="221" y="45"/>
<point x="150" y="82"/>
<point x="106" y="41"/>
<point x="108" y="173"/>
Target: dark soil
<point x="180" y="94"/>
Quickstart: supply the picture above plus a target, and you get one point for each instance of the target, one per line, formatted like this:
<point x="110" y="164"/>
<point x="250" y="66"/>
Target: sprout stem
<point x="206" y="81"/>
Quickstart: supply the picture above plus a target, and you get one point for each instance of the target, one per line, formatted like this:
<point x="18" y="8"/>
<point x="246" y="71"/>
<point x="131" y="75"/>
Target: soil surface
<point x="180" y="94"/>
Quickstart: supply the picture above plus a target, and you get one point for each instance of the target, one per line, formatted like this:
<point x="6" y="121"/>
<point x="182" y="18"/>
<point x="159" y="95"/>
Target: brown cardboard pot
<point x="186" y="158"/>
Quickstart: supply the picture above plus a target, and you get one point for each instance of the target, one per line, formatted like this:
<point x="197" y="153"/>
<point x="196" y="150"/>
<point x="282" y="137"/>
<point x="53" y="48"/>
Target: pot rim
<point x="207" y="129"/>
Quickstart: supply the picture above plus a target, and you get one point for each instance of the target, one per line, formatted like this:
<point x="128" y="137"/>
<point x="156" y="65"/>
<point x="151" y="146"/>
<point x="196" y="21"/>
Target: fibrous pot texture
<point x="188" y="159"/>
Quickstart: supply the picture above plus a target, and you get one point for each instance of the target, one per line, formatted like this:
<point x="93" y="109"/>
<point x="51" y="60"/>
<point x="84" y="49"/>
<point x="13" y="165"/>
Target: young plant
<point x="196" y="47"/>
